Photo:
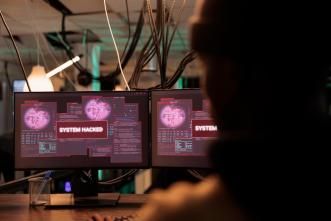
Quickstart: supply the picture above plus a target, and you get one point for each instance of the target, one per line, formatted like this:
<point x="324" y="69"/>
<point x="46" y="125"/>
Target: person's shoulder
<point x="206" y="200"/>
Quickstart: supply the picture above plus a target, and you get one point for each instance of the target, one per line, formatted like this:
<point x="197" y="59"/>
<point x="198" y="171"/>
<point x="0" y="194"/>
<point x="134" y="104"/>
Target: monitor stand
<point x="85" y="193"/>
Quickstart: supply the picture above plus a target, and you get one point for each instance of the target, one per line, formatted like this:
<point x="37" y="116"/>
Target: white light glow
<point x="62" y="67"/>
<point x="38" y="80"/>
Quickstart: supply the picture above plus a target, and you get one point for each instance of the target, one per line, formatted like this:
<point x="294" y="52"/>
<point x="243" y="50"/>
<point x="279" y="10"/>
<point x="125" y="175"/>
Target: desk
<point x="15" y="207"/>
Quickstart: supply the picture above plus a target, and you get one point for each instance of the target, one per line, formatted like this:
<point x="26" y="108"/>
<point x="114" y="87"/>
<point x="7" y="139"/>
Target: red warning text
<point x="204" y="128"/>
<point x="82" y="129"/>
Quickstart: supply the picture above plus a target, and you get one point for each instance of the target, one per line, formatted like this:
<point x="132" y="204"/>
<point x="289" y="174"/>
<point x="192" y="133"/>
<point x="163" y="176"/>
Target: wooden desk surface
<point x="15" y="207"/>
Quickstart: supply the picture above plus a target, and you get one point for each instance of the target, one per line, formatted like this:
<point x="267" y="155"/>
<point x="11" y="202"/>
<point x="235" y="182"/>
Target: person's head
<point x="265" y="61"/>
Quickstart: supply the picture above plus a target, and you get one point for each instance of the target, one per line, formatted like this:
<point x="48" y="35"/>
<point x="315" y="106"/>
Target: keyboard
<point x="131" y="217"/>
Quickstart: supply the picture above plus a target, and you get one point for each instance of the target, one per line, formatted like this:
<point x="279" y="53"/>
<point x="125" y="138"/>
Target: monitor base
<point x="69" y="201"/>
<point x="85" y="193"/>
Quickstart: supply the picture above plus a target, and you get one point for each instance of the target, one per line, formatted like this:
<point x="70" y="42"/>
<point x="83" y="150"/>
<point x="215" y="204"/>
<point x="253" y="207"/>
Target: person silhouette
<point x="266" y="65"/>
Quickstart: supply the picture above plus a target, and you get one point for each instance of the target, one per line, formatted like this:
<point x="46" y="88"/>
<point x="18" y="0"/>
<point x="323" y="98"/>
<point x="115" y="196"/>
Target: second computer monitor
<point x="81" y="130"/>
<point x="182" y="129"/>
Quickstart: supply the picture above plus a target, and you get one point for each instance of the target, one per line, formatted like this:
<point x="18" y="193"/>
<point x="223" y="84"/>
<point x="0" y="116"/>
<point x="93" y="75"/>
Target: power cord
<point x="196" y="174"/>
<point x="115" y="45"/>
<point x="120" y="178"/>
<point x="16" y="50"/>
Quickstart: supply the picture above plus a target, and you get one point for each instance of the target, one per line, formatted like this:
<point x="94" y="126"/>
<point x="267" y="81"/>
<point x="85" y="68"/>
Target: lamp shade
<point x="38" y="80"/>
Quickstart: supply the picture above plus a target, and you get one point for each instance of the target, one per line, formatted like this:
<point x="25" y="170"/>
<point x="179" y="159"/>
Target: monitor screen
<point x="182" y="129"/>
<point x="59" y="130"/>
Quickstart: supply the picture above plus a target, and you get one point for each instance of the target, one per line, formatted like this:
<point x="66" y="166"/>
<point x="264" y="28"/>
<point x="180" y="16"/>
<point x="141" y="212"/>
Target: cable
<point x="120" y="178"/>
<point x="130" y="172"/>
<point x="167" y="43"/>
<point x="67" y="48"/>
<point x="140" y="63"/>
<point x="66" y="45"/>
<point x="129" y="29"/>
<point x="13" y="55"/>
<point x="169" y="18"/>
<point x="138" y="67"/>
<point x="124" y="58"/>
<point x="132" y="47"/>
<point x="155" y="37"/>
<point x="196" y="174"/>
<point x="16" y="50"/>
<point x="160" y="41"/>
<point x="5" y="185"/>
<point x="42" y="55"/>
<point x="188" y="58"/>
<point x="15" y="183"/>
<point x="118" y="56"/>
<point x="176" y="26"/>
<point x="150" y="48"/>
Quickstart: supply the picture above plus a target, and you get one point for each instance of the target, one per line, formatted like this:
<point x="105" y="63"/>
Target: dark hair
<point x="281" y="52"/>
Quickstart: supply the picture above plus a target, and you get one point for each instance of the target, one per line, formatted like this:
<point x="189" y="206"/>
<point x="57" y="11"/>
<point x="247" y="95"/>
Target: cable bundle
<point x="159" y="44"/>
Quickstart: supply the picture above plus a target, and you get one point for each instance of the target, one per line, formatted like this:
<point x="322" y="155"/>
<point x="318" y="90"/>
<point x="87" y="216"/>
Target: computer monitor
<point x="182" y="129"/>
<point x="77" y="130"/>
